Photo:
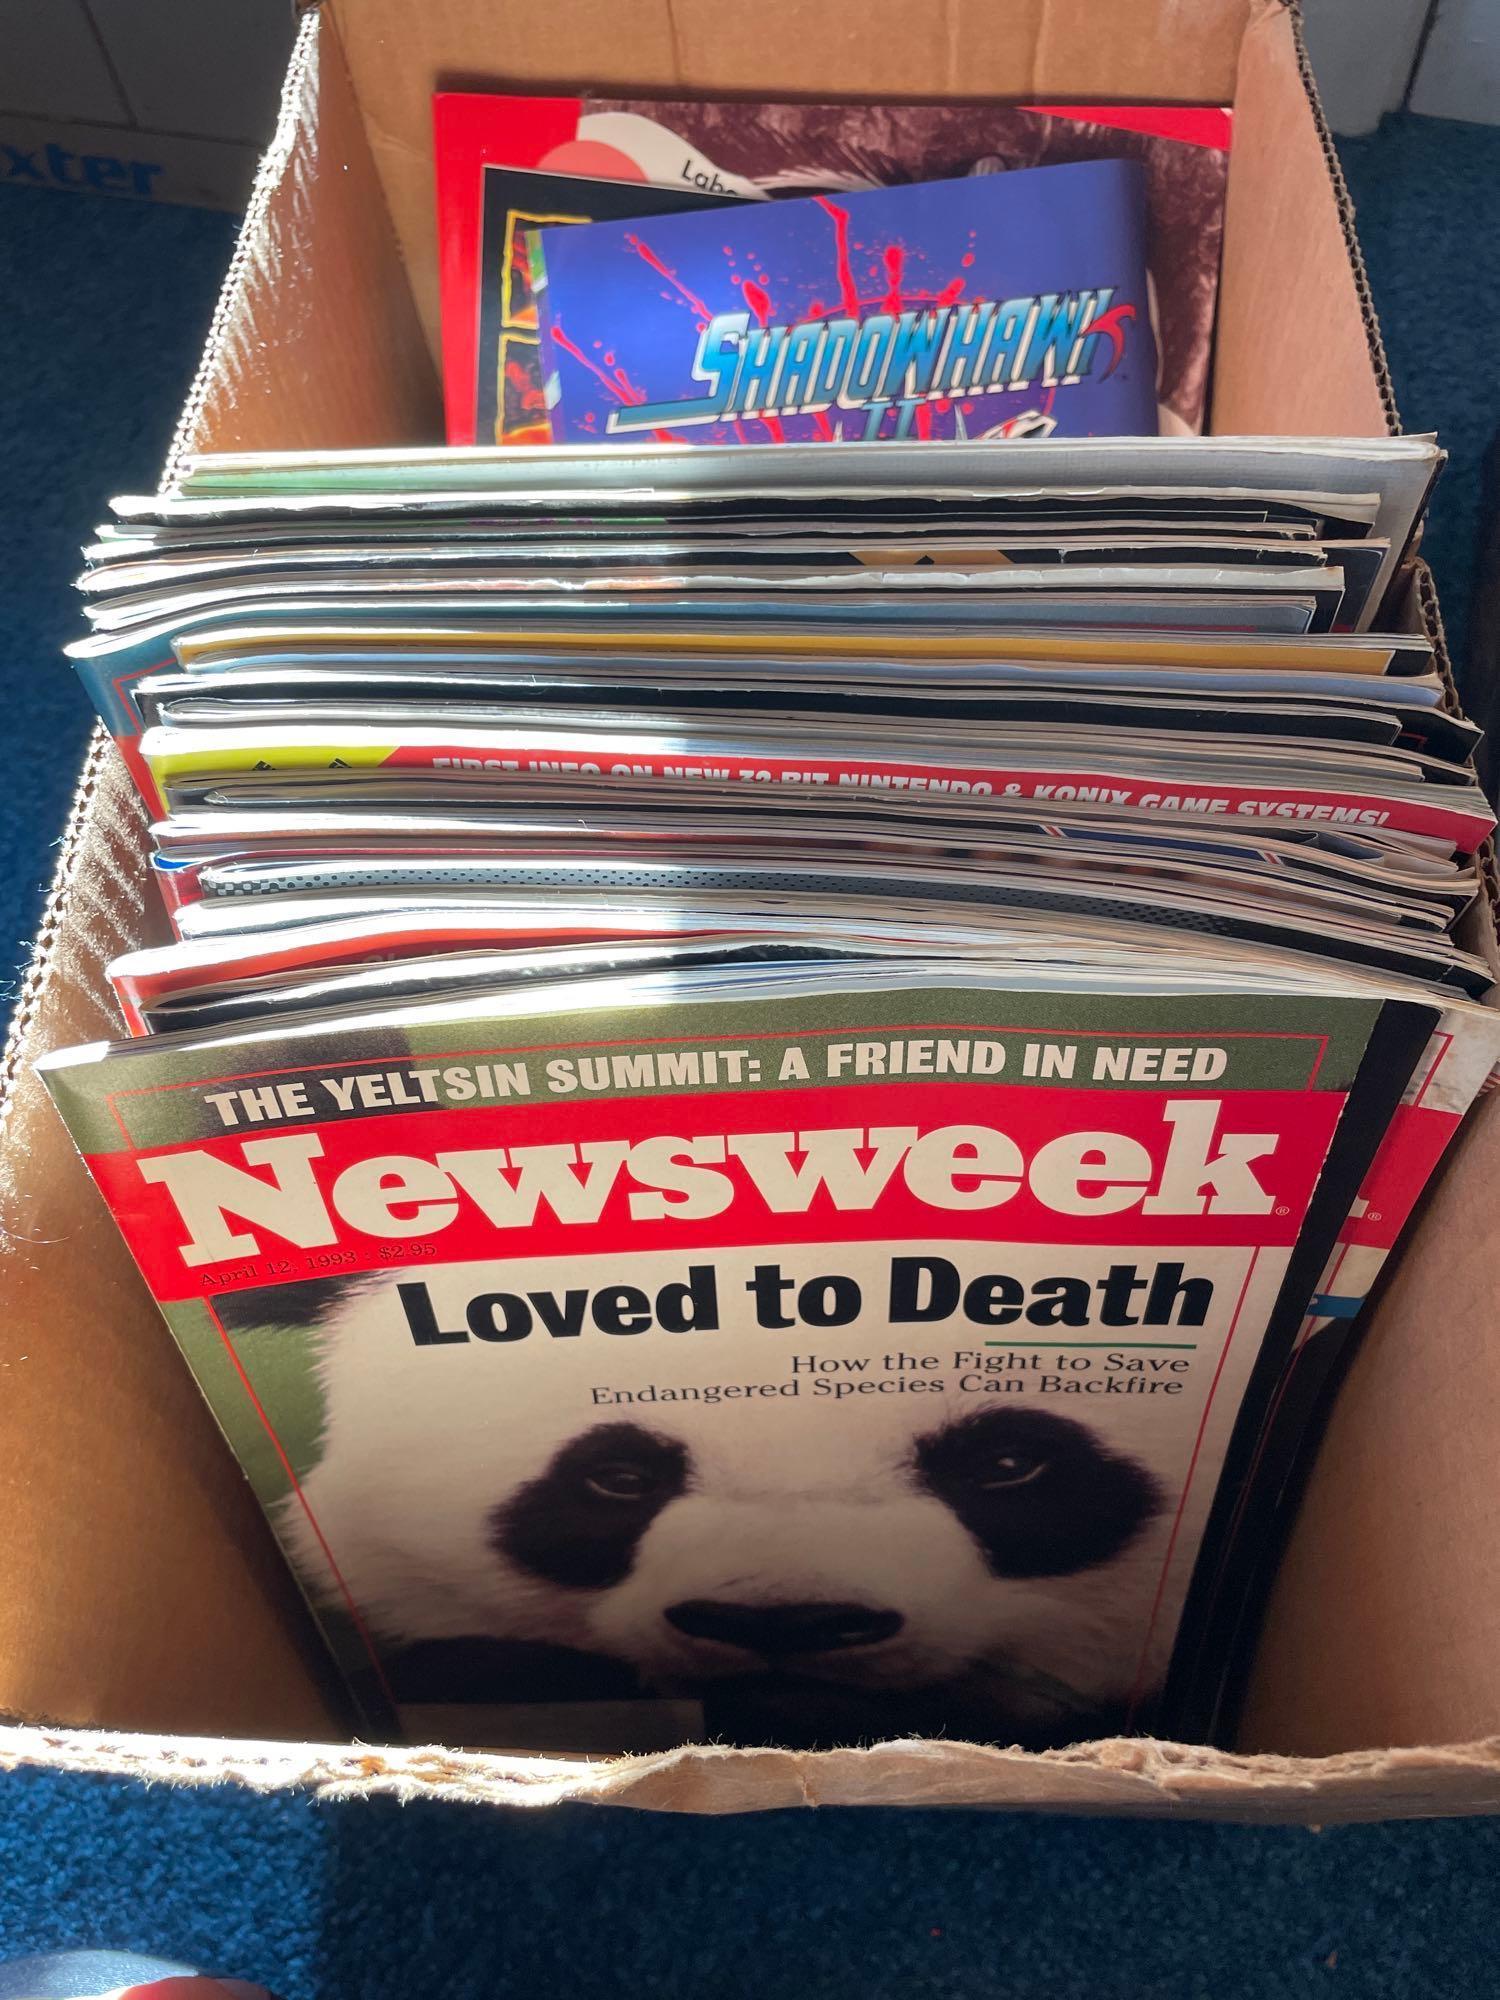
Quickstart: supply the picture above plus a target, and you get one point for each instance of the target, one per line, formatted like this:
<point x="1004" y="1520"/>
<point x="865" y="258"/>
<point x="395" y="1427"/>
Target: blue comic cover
<point x="998" y="306"/>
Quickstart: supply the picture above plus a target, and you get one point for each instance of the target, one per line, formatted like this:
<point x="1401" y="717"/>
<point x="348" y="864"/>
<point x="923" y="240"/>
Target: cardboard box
<point x="139" y="1589"/>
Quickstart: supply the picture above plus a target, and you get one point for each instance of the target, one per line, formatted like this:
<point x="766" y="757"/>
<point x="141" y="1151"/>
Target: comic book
<point x="761" y="152"/>
<point x="512" y="406"/>
<point x="1004" y="306"/>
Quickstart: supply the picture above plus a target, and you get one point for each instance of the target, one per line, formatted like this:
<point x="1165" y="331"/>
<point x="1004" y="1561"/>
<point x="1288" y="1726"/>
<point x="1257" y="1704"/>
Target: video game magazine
<point x="792" y="1352"/>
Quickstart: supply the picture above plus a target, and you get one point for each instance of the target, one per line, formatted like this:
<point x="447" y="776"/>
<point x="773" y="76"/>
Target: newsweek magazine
<point x="783" y="1353"/>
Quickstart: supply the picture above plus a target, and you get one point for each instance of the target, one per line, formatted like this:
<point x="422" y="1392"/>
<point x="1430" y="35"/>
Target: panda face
<point x="580" y="1523"/>
<point x="884" y="1544"/>
<point x="692" y="1575"/>
<point x="1039" y="1494"/>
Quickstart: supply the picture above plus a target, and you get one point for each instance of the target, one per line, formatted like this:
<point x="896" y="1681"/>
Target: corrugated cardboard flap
<point x="1081" y="50"/>
<point x="1120" y="1776"/>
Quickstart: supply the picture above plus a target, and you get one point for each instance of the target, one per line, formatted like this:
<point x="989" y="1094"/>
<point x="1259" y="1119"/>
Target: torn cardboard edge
<point x="1134" y="1776"/>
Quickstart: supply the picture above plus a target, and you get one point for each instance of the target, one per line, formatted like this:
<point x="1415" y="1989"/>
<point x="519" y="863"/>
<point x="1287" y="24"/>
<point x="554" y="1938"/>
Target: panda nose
<point x="777" y="1629"/>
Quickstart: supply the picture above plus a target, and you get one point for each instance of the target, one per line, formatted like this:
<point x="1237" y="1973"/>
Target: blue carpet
<point x="105" y="305"/>
<point x="1427" y="198"/>
<point x="380" y="1902"/>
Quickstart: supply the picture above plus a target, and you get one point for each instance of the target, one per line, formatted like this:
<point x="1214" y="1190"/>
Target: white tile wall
<point x="1362" y="52"/>
<point x="1460" y="72"/>
<point x="208" y="68"/>
<point x="163" y="100"/>
<point x="52" y="63"/>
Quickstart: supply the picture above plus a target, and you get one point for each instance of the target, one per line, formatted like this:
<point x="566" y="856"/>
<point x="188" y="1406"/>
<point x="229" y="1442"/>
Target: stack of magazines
<point x="781" y="1070"/>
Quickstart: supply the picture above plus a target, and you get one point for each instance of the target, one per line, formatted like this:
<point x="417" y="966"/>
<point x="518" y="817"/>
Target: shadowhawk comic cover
<point x="1009" y="305"/>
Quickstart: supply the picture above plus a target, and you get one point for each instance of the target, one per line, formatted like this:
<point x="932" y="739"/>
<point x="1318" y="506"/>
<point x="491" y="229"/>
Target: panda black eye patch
<point x="1038" y="1493"/>
<point x="580" y="1522"/>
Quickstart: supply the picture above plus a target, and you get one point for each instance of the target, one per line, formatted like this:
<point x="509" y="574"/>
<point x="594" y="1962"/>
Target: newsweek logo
<point x="1163" y="1168"/>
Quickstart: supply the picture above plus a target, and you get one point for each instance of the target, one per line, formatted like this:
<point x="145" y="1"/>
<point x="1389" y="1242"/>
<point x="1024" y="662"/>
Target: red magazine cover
<point x="472" y="131"/>
<point x="803" y="1363"/>
<point x="762" y="151"/>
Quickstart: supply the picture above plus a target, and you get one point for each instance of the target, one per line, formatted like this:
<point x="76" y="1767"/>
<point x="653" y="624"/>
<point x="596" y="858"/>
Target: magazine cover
<point x="1011" y="305"/>
<point x="512" y="406"/>
<point x="796" y="1356"/>
<point x="1385" y="791"/>
<point x="769" y="151"/>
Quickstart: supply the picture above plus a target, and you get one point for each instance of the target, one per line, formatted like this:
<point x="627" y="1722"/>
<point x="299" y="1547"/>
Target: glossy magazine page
<point x="785" y="1354"/>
